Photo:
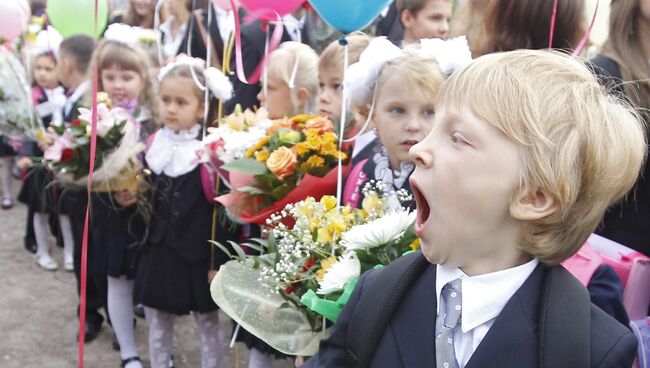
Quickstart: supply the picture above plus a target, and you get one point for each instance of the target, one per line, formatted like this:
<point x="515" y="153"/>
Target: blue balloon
<point x="349" y="15"/>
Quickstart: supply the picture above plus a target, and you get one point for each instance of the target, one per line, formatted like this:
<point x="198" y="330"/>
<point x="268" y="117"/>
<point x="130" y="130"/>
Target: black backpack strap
<point x="564" y="321"/>
<point x="378" y="302"/>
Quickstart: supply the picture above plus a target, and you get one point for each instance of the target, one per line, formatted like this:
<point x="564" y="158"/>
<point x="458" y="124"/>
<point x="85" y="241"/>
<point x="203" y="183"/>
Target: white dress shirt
<point x="170" y="44"/>
<point x="483" y="299"/>
<point x="225" y="21"/>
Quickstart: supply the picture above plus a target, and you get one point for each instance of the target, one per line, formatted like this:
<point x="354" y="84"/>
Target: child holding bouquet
<point x="172" y="277"/>
<point x="124" y="74"/>
<point x="38" y="191"/>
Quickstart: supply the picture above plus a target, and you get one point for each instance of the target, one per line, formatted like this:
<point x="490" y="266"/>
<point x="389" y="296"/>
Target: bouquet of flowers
<point x="296" y="158"/>
<point x="233" y="137"/>
<point x="17" y="119"/>
<point x="116" y="164"/>
<point x="306" y="273"/>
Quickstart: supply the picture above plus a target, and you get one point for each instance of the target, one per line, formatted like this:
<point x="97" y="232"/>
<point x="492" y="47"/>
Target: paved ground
<point x="38" y="320"/>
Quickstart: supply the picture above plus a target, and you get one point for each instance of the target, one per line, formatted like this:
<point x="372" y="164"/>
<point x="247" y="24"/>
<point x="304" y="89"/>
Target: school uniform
<point x="548" y="322"/>
<point x="372" y="163"/>
<point x="173" y="270"/>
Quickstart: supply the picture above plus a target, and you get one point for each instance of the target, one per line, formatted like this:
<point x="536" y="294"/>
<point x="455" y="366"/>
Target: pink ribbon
<point x="553" y="17"/>
<point x="84" y="246"/>
<point x="585" y="38"/>
<point x="274" y="43"/>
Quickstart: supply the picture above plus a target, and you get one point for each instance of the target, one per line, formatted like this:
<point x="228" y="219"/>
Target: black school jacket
<point x="511" y="342"/>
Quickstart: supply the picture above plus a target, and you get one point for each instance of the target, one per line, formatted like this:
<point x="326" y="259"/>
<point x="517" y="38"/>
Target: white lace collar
<point x="174" y="154"/>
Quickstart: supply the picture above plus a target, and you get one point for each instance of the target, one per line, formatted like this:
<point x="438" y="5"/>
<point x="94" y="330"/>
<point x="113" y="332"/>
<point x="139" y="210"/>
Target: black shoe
<point x="129" y="360"/>
<point x="138" y="310"/>
<point x="91" y="330"/>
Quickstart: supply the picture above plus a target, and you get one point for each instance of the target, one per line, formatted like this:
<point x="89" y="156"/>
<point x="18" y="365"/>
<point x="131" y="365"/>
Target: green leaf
<point x="240" y="252"/>
<point x="223" y="248"/>
<point x="281" y="191"/>
<point x="245" y="166"/>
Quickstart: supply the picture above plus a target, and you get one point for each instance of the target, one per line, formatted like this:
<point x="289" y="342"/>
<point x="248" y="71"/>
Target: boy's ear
<point x="533" y="205"/>
<point x="407" y="18"/>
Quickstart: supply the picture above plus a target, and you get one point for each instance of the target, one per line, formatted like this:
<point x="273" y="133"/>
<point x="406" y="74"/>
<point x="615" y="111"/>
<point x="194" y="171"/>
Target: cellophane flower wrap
<point x="292" y="292"/>
<point x="116" y="164"/>
<point x="296" y="158"/>
<point x="15" y="96"/>
<point x="232" y="138"/>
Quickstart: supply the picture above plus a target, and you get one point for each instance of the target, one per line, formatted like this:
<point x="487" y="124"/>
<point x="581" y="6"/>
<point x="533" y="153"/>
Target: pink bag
<point x="641" y="329"/>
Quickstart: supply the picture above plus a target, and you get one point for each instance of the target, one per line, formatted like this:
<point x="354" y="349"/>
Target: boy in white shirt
<point x="526" y="153"/>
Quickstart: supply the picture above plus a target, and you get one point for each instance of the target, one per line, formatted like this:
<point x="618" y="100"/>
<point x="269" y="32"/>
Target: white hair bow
<point x="215" y="80"/>
<point x="47" y="41"/>
<point x="360" y="77"/>
<point x="123" y="34"/>
<point x="452" y="55"/>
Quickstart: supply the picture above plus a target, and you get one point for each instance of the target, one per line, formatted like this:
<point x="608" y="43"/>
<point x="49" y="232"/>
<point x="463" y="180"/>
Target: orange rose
<point x="279" y="124"/>
<point x="320" y="123"/>
<point x="282" y="162"/>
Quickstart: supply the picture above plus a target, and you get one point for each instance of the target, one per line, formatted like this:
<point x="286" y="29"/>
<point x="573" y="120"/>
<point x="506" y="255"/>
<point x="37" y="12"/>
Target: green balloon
<point x="71" y="17"/>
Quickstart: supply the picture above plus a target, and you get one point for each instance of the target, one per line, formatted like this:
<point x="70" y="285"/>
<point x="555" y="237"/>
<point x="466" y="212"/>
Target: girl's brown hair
<point x="525" y="24"/>
<point x="126" y="57"/>
<point x="132" y="18"/>
<point x="624" y="46"/>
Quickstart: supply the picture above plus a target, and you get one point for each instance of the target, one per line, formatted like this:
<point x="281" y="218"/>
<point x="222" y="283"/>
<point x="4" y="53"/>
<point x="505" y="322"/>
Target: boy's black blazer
<point x="511" y="342"/>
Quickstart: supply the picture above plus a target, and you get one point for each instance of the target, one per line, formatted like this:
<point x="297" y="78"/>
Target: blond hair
<point x="332" y="56"/>
<point x="282" y="62"/>
<point x="416" y="68"/>
<point x="578" y="144"/>
<point x="111" y="53"/>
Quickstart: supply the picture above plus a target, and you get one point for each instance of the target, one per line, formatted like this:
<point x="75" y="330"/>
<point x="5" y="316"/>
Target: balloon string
<point x="208" y="47"/>
<point x="585" y="38"/>
<point x="274" y="43"/>
<point x="91" y="170"/>
<point x="552" y="31"/>
<point x="339" y="169"/>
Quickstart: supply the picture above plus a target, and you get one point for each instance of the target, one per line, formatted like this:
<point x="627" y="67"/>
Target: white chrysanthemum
<point x="340" y="273"/>
<point x="378" y="232"/>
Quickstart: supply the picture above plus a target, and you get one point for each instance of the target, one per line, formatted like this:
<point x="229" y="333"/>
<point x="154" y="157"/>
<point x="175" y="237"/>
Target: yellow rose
<point x="282" y="162"/>
<point x="278" y="124"/>
<point x="415" y="245"/>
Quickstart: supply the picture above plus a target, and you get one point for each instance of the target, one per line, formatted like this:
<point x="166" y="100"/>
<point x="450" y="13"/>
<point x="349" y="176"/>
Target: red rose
<point x="75" y="122"/>
<point x="67" y="155"/>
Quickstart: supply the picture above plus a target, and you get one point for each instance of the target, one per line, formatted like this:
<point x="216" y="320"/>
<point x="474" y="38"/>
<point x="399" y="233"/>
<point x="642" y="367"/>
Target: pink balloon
<point x="13" y="18"/>
<point x="267" y="9"/>
<point x="225" y="4"/>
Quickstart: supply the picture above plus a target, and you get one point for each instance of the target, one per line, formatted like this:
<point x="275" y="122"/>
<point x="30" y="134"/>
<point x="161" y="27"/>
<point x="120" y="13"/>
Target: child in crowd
<point x="330" y="80"/>
<point x="38" y="191"/>
<point x="124" y="74"/>
<point x="172" y="277"/>
<point x="402" y="86"/>
<point x="291" y="81"/>
<point x="424" y="19"/>
<point x="75" y="53"/>
<point x="526" y="153"/>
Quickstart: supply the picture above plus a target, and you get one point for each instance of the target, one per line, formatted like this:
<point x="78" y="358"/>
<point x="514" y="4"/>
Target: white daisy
<point x="378" y="232"/>
<point x="340" y="273"/>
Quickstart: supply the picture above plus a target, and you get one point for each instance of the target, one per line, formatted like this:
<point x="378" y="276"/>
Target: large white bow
<point x="174" y="153"/>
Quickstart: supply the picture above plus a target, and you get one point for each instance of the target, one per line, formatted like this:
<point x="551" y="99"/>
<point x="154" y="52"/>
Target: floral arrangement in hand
<point x="307" y="271"/>
<point x="116" y="164"/>
<point x="296" y="158"/>
<point x="233" y="137"/>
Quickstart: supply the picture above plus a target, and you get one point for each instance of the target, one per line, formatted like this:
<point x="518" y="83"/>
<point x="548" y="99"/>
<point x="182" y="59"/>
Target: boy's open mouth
<point x="422" y="207"/>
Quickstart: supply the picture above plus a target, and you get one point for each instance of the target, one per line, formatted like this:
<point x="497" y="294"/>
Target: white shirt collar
<point x="170" y="44"/>
<point x="225" y="22"/>
<point x="174" y="154"/>
<point x="484" y="296"/>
